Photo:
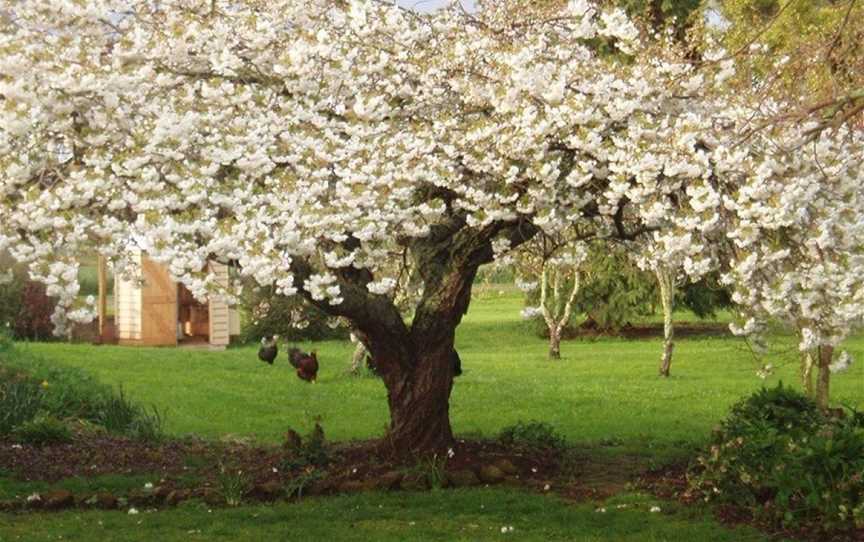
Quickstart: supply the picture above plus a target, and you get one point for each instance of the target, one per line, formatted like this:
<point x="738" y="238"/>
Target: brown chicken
<point x="306" y="364"/>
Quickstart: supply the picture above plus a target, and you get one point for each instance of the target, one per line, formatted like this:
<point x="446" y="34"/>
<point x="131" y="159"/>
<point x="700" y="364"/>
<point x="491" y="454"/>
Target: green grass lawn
<point x="603" y="396"/>
<point x="458" y="515"/>
<point x="602" y="392"/>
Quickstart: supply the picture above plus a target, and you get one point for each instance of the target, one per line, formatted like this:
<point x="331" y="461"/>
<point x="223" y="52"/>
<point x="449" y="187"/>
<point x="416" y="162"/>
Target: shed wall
<point x="158" y="305"/>
<point x="127" y="309"/>
<point x="220" y="325"/>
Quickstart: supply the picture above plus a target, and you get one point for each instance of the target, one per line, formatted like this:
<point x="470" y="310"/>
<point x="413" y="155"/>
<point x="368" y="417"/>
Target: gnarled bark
<point x="415" y="362"/>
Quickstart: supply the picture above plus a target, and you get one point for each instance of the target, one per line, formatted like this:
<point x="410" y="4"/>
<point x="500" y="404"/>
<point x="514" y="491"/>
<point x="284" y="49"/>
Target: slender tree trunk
<point x="826" y="353"/>
<point x="667" y="298"/>
<point x="103" y="295"/>
<point x="807" y="373"/>
<point x="559" y="315"/>
<point x="554" y="342"/>
<point x="358" y="357"/>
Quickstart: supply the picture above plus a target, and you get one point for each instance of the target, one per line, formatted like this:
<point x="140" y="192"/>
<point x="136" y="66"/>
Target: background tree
<point x="807" y="55"/>
<point x="551" y="265"/>
<point x="618" y="292"/>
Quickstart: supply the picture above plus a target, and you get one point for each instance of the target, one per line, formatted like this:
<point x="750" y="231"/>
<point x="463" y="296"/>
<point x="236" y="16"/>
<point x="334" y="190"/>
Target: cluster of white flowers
<point x="294" y="138"/>
<point x="531" y="312"/>
<point x="383" y="286"/>
<point x="842" y="363"/>
<point x="323" y="286"/>
<point x="526" y="285"/>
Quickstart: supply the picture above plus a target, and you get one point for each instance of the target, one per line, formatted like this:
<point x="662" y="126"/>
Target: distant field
<point x="603" y="392"/>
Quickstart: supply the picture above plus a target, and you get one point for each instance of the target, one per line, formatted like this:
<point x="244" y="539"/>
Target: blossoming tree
<point x="307" y="140"/>
<point x="797" y="244"/>
<point x="552" y="265"/>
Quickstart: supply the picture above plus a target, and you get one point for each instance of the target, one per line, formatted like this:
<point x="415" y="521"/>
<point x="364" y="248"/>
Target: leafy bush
<point x="788" y="463"/>
<point x="34" y="316"/>
<point x="532" y="435"/>
<point x="266" y="313"/>
<point x="20" y="399"/>
<point x="704" y="297"/>
<point x="41" y="430"/>
<point x="25" y="309"/>
<point x="618" y="291"/>
<point x="10" y="302"/>
<point x="309" y="452"/>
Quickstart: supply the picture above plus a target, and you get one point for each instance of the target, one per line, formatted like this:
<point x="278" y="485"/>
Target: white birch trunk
<point x="558" y="315"/>
<point x="807" y="364"/>
<point x="358" y="357"/>
<point x="826" y="354"/>
<point x="667" y="297"/>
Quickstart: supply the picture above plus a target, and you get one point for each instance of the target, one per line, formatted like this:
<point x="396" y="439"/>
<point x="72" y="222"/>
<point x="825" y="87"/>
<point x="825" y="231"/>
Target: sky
<point x="431" y="5"/>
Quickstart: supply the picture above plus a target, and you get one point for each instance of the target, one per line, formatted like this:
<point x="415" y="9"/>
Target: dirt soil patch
<point x="196" y="469"/>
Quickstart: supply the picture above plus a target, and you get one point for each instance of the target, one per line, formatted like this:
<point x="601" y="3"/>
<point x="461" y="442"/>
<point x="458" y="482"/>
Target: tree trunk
<point x="420" y="405"/>
<point x="667" y="297"/>
<point x="415" y="362"/>
<point x="358" y="357"/>
<point x="558" y="317"/>
<point x="826" y="353"/>
<point x="807" y="373"/>
<point x="554" y="342"/>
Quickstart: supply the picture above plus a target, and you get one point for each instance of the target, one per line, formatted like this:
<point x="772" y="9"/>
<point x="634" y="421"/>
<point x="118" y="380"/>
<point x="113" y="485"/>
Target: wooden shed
<point x="157" y="311"/>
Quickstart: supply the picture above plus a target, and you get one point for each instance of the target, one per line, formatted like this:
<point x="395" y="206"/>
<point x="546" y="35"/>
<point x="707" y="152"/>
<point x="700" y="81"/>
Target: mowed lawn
<point x="604" y="392"/>
<point x="604" y="395"/>
<point x="451" y="515"/>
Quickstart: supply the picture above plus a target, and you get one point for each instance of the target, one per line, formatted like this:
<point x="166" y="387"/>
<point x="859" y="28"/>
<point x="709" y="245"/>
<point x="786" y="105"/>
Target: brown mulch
<point x="651" y="331"/>
<point x="92" y="455"/>
<point x="190" y="468"/>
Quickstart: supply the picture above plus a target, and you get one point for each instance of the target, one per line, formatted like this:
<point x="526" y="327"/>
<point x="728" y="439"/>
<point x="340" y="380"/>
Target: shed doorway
<point x="193" y="318"/>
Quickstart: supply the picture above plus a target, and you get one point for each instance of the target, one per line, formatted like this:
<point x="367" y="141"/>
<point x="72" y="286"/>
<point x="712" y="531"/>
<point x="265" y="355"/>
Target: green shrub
<point x="532" y="435"/>
<point x="309" y="452"/>
<point x="20" y="399"/>
<point x="68" y="392"/>
<point x="781" y="407"/>
<point x="41" y="430"/>
<point x="781" y="458"/>
<point x="33" y="321"/>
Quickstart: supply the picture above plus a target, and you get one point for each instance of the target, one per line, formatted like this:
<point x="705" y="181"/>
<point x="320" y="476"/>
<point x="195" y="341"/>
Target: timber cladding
<point x="158" y="305"/>
<point x="148" y="311"/>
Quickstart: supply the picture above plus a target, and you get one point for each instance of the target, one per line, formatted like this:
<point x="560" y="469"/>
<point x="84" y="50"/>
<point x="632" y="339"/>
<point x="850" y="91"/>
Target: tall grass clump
<point x="117" y="414"/>
<point x="31" y="387"/>
<point x="20" y="399"/>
